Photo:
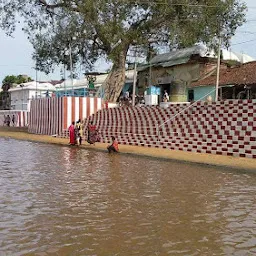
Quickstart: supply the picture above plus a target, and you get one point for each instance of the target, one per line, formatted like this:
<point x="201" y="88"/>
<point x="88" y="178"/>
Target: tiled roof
<point x="244" y="74"/>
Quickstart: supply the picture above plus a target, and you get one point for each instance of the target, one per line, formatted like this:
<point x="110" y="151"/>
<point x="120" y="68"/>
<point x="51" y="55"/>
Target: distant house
<point x="22" y="94"/>
<point x="80" y="87"/>
<point x="176" y="71"/>
<point x="238" y="82"/>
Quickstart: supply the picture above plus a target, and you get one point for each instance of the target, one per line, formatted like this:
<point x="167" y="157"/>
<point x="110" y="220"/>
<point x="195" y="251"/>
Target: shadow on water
<point x="65" y="201"/>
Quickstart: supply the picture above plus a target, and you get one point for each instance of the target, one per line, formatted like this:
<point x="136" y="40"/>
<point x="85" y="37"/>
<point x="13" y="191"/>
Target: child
<point x="78" y="138"/>
<point x="114" y="146"/>
<point x="79" y="132"/>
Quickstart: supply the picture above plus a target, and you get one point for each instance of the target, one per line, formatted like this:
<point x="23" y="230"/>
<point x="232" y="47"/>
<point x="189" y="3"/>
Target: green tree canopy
<point x="110" y="28"/>
<point x="11" y="80"/>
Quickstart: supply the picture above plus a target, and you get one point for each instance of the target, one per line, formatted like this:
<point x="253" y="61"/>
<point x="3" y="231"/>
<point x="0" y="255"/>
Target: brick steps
<point x="189" y="138"/>
<point x="202" y="130"/>
<point x="227" y="128"/>
<point x="220" y="150"/>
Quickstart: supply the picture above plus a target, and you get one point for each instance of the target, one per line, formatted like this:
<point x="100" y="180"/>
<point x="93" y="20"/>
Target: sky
<point x="16" y="51"/>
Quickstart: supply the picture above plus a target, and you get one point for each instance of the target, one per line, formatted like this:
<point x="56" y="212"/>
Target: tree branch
<point x="58" y="5"/>
<point x="51" y="6"/>
<point x="137" y="24"/>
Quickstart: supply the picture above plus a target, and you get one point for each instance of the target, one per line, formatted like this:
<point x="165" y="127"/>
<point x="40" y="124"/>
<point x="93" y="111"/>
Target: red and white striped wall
<point x="79" y="107"/>
<point x="20" y="117"/>
<point x="52" y="115"/>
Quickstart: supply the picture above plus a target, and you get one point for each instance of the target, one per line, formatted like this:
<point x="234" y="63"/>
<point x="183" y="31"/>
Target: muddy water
<point x="65" y="201"/>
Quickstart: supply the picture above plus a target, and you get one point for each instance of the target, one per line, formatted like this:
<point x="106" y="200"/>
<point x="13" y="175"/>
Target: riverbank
<point x="241" y="164"/>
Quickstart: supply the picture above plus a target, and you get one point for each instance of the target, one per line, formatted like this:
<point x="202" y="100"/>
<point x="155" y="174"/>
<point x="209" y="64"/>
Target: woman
<point x="114" y="146"/>
<point x="92" y="134"/>
<point x="72" y="134"/>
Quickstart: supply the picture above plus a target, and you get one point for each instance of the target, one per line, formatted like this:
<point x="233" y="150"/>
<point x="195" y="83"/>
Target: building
<point x="176" y="70"/>
<point x="238" y="82"/>
<point x="81" y="87"/>
<point x="22" y="94"/>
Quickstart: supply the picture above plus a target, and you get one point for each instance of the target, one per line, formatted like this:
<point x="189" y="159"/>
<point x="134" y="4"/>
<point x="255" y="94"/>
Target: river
<point x="57" y="200"/>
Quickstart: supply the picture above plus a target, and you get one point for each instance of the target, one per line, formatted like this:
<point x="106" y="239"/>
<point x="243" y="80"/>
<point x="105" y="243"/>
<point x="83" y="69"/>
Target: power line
<point x="253" y="40"/>
<point x="246" y="32"/>
<point x="178" y="4"/>
<point x="250" y="21"/>
<point x="16" y="65"/>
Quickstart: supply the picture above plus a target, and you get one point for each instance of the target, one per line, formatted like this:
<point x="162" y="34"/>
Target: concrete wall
<point x="21" y="99"/>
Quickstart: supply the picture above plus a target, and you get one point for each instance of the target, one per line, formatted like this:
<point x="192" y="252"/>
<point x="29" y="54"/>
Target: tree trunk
<point x="116" y="79"/>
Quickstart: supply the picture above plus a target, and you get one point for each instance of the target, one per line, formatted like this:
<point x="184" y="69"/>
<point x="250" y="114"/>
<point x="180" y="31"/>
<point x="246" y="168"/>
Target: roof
<point x="33" y="85"/>
<point x="183" y="55"/>
<point x="244" y="74"/>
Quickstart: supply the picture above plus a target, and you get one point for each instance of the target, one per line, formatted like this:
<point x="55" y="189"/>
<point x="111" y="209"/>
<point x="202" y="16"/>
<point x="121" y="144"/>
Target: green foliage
<point x="109" y="28"/>
<point x="11" y="80"/>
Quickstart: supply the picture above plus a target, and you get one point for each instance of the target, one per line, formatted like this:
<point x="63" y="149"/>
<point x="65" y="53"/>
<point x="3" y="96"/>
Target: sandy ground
<point x="242" y="164"/>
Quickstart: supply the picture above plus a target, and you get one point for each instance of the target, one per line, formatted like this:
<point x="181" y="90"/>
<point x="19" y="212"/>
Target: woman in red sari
<point x="72" y="134"/>
<point x="92" y="134"/>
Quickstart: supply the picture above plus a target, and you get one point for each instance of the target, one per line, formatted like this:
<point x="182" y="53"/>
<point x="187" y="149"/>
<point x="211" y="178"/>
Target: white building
<point x="99" y="81"/>
<point x="226" y="54"/>
<point x="80" y="84"/>
<point x="67" y="84"/>
<point x="22" y="94"/>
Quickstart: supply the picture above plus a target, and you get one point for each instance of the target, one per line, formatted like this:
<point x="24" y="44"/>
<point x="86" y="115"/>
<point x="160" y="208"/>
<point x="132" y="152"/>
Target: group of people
<point x="126" y="100"/>
<point x="75" y="133"/>
<point x="8" y="120"/>
<point x="76" y="130"/>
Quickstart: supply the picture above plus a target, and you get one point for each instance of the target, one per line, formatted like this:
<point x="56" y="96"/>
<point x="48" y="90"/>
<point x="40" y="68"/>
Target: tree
<point x="11" y="80"/>
<point x="110" y="28"/>
<point x="7" y="83"/>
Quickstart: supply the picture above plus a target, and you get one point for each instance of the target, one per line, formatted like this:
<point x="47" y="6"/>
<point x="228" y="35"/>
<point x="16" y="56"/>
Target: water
<point x="65" y="201"/>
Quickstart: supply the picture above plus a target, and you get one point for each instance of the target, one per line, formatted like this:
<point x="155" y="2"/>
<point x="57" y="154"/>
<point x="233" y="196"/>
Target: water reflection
<point x="66" y="201"/>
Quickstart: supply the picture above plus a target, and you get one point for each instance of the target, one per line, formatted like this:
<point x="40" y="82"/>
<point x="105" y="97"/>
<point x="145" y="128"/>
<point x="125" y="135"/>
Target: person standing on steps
<point x="79" y="132"/>
<point x="93" y="135"/>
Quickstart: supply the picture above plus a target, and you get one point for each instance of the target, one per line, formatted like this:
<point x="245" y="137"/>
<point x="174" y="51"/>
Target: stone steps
<point x="220" y="150"/>
<point x="227" y="127"/>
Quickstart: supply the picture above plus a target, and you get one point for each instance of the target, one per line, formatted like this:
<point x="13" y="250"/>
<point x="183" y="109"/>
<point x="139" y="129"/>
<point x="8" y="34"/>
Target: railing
<point x="183" y="110"/>
<point x="84" y="92"/>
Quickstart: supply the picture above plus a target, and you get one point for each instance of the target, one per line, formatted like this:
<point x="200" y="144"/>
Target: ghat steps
<point x="224" y="128"/>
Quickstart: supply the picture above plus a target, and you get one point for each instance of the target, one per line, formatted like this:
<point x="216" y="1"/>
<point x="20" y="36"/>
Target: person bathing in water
<point x="114" y="146"/>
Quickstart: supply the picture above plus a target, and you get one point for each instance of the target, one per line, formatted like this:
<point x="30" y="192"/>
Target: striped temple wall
<point x="51" y="116"/>
<point x="20" y="117"/>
